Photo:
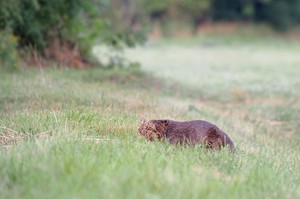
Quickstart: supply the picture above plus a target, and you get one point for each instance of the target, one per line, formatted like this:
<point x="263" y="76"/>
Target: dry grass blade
<point x="96" y="139"/>
<point x="10" y="139"/>
<point x="13" y="137"/>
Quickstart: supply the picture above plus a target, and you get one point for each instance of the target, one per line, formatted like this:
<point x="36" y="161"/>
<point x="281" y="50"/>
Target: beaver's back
<point x="197" y="131"/>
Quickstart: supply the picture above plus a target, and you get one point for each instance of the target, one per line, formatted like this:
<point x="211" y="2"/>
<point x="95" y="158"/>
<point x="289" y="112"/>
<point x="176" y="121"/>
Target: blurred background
<point x="66" y="31"/>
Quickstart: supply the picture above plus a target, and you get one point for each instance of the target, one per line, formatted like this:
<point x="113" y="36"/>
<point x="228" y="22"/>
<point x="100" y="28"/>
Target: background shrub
<point x="66" y="30"/>
<point x="8" y="50"/>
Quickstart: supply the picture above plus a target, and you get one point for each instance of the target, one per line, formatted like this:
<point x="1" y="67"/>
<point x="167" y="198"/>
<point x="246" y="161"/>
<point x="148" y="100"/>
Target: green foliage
<point x="36" y="22"/>
<point x="8" y="50"/>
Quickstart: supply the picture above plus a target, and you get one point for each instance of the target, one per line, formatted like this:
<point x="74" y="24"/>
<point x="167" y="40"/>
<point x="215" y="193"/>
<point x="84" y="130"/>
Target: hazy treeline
<point x="280" y="14"/>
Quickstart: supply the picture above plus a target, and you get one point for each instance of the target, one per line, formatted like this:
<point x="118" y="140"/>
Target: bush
<point x="66" y="30"/>
<point x="36" y="22"/>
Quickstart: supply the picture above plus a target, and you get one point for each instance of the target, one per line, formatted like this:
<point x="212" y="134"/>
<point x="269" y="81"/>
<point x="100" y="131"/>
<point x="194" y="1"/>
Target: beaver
<point x="188" y="132"/>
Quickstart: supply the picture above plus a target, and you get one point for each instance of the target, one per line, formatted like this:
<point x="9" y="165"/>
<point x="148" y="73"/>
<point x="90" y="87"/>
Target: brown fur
<point x="190" y="133"/>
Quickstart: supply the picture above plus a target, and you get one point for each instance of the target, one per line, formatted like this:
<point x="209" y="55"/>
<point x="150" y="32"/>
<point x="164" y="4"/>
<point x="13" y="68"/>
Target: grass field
<point x="73" y="133"/>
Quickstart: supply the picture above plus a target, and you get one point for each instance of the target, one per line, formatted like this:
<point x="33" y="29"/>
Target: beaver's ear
<point x="163" y="122"/>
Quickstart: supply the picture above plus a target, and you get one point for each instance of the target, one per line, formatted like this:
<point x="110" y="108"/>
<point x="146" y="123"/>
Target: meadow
<point x="67" y="133"/>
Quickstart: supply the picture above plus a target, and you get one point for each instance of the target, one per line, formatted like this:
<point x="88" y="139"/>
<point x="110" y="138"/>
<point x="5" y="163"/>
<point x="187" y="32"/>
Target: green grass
<point x="73" y="133"/>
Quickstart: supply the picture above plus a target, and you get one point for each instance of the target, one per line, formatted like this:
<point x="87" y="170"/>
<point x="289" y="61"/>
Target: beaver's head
<point x="153" y="129"/>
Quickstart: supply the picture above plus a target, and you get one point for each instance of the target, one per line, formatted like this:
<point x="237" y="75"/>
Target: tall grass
<point x="73" y="134"/>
